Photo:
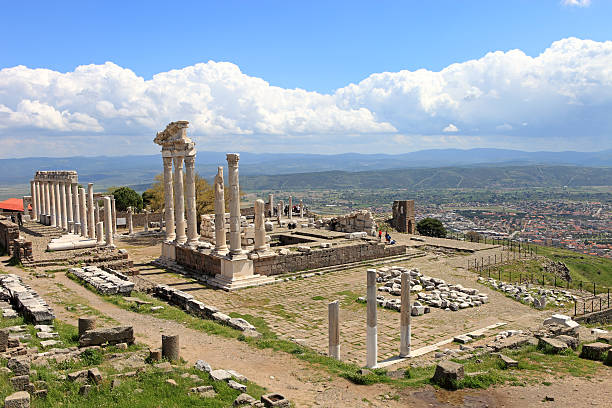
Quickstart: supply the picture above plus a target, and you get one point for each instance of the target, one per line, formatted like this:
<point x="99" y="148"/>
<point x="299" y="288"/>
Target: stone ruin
<point x="104" y="282"/>
<point x="24" y="299"/>
<point x="358" y="221"/>
<point x="403" y="216"/>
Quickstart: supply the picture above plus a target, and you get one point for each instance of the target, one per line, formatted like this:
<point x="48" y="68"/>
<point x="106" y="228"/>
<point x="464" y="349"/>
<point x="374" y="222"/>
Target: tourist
<point x="19" y="220"/>
<point x="380" y="235"/>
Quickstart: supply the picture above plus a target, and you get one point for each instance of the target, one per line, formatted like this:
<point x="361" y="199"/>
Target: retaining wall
<point x="9" y="234"/>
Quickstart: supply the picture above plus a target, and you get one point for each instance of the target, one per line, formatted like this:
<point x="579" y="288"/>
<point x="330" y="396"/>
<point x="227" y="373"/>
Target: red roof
<point x="12" y="204"/>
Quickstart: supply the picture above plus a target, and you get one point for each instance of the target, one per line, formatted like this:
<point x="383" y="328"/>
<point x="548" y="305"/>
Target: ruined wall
<point x="137" y="219"/>
<point x="9" y="233"/>
<point x="403" y="216"/>
<point x="601" y="316"/>
<point x="358" y="221"/>
<point x="203" y="263"/>
<point x="319" y="258"/>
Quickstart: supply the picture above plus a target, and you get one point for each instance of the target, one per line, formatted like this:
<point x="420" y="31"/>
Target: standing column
<point x="69" y="206"/>
<point x="114" y="213"/>
<point x="271" y="201"/>
<point x="98" y="212"/>
<point x="41" y="200"/>
<point x="83" y="210"/>
<point x="279" y="211"/>
<point x="169" y="199"/>
<point x="146" y="220"/>
<point x="290" y="208"/>
<point x="76" y="209"/>
<point x="130" y="221"/>
<point x="108" y="221"/>
<point x="260" y="228"/>
<point x="282" y="211"/>
<point x="179" y="200"/>
<point x="62" y="188"/>
<point x="53" y="208"/>
<point x="334" y="329"/>
<point x="48" y="193"/>
<point x="232" y="167"/>
<point x="34" y="201"/>
<point x="371" y="334"/>
<point x="91" y="221"/>
<point x="301" y="209"/>
<point x="220" y="238"/>
<point x="405" y="316"/>
<point x="190" y="200"/>
<point x="58" y="205"/>
<point x="100" y="233"/>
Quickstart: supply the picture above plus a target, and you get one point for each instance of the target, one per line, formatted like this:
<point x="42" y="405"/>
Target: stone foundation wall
<point x="601" y="317"/>
<point x="320" y="258"/>
<point x="137" y="219"/>
<point x="9" y="234"/>
<point x="198" y="261"/>
<point x="358" y="221"/>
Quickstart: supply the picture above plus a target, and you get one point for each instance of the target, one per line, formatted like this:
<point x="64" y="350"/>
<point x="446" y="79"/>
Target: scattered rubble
<point x="104" y="282"/>
<point x="24" y="299"/>
<point x="535" y="296"/>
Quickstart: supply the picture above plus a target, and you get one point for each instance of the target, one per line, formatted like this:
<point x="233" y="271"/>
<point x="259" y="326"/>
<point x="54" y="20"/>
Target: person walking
<point x="380" y="235"/>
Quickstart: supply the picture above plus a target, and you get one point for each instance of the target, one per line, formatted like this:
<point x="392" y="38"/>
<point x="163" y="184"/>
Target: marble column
<point x="100" y="233"/>
<point x="34" y="216"/>
<point x="91" y="222"/>
<point x="271" y="201"/>
<point x="190" y="200"/>
<point x="372" y="331"/>
<point x="76" y="211"/>
<point x="41" y="200"/>
<point x="146" y="220"/>
<point x="83" y="210"/>
<point x="282" y="211"/>
<point x="62" y="188"/>
<point x="290" y="208"/>
<point x="98" y="212"/>
<point x="52" y="201"/>
<point x="169" y="199"/>
<point x="114" y="215"/>
<point x="58" y="205"/>
<point x="334" y="329"/>
<point x="279" y="212"/>
<point x="232" y="171"/>
<point x="47" y="187"/>
<point x="405" y="316"/>
<point x="108" y="221"/>
<point x="260" y="228"/>
<point x="69" y="207"/>
<point x="301" y="209"/>
<point x="130" y="221"/>
<point x="179" y="200"/>
<point x="220" y="238"/>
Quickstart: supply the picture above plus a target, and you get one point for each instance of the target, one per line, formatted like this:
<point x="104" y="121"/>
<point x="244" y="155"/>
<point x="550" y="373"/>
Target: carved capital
<point x="232" y="159"/>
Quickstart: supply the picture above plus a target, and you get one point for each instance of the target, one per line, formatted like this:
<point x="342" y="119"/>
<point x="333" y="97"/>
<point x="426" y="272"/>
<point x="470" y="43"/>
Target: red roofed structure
<point x="12" y="204"/>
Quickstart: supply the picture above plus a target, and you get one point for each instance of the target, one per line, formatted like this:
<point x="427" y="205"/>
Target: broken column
<point x="279" y="212"/>
<point x="91" y="222"/>
<point x="100" y="233"/>
<point x="179" y="200"/>
<point x="220" y="239"/>
<point x="334" y="329"/>
<point x="232" y="166"/>
<point x="76" y="227"/>
<point x="190" y="200"/>
<point x="260" y="228"/>
<point x="271" y="202"/>
<point x="108" y="221"/>
<point x="290" y="208"/>
<point x="170" y="347"/>
<point x="86" y="323"/>
<point x="83" y="210"/>
<point x="405" y="316"/>
<point x="371" y="334"/>
<point x="301" y="209"/>
<point x="146" y="220"/>
<point x="130" y="220"/>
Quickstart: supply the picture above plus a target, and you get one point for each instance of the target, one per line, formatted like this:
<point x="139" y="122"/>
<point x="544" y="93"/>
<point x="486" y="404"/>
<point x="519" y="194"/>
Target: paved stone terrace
<point x="298" y="309"/>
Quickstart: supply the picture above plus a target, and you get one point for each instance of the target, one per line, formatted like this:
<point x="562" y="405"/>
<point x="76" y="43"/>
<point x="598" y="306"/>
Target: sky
<point x="101" y="78"/>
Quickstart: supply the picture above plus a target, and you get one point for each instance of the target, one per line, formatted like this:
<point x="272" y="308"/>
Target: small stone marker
<point x="19" y="399"/>
<point x="448" y="373"/>
<point x="594" y="351"/>
<point x="508" y="362"/>
<point x="170" y="347"/>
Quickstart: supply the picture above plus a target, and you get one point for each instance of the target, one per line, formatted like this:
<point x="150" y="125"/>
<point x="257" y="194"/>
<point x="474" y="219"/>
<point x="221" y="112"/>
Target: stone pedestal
<point x="237" y="272"/>
<point x="334" y="329"/>
<point x="168" y="251"/>
<point x="170" y="347"/>
<point x="86" y="323"/>
<point x="405" y="316"/>
<point x="372" y="330"/>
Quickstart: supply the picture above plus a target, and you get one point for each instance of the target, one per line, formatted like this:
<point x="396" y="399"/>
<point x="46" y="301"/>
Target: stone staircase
<point x="39" y="230"/>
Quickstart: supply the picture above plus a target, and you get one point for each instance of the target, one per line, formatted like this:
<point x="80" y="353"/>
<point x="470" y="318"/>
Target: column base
<point x="238" y="273"/>
<point x="168" y="251"/>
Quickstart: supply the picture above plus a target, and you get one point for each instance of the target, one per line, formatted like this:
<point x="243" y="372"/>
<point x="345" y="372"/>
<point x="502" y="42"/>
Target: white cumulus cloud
<point x="576" y="3"/>
<point x="565" y="92"/>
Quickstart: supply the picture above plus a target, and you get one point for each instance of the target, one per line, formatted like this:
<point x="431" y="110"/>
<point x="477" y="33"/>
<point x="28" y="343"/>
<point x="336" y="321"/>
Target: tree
<point x="126" y="197"/>
<point x="431" y="227"/>
<point x="472" y="236"/>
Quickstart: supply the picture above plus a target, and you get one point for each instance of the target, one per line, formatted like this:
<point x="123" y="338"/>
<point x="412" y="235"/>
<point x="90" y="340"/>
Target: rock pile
<point x="104" y="282"/>
<point x="429" y="291"/>
<point x="192" y="306"/>
<point x="535" y="296"/>
<point x="24" y="299"/>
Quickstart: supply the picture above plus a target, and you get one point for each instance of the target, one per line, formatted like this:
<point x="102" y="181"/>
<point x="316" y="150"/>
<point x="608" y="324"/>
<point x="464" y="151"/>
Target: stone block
<point x="94" y="375"/>
<point x="20" y="382"/>
<point x="237" y="386"/>
<point x="203" y="366"/>
<point x="555" y="345"/>
<point x="244" y="399"/>
<point x="112" y="335"/>
<point x="562" y="320"/>
<point x="570" y="341"/>
<point x="220" y="375"/>
<point x="275" y="400"/>
<point x="594" y="351"/>
<point x="507" y="361"/>
<point x="4" y="339"/>
<point x="462" y="338"/>
<point x="19" y="399"/>
<point x="448" y="373"/>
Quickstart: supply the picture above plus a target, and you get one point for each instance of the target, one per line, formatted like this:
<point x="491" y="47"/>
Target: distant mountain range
<point x="139" y="171"/>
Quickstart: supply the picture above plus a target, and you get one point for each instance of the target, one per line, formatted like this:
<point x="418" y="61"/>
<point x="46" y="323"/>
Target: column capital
<point x="190" y="161"/>
<point x="167" y="161"/>
<point x="232" y="158"/>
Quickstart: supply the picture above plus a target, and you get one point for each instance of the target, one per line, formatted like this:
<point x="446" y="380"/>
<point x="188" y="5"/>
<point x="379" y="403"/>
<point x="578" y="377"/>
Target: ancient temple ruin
<point x="403" y="216"/>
